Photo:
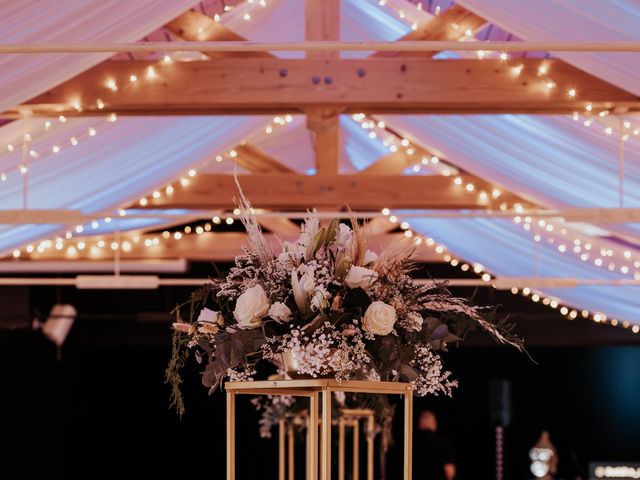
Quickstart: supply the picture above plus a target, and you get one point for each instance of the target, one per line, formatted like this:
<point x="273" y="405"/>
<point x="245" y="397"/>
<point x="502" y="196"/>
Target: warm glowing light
<point x="92" y="131"/>
<point x="167" y="59"/>
<point x="504" y="56"/>
<point x="99" y="104"/>
<point x="542" y="70"/>
<point x="112" y="85"/>
<point x="73" y="141"/>
<point x="571" y="92"/>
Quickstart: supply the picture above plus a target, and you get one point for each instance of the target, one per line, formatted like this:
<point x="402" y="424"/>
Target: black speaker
<point x="500" y="402"/>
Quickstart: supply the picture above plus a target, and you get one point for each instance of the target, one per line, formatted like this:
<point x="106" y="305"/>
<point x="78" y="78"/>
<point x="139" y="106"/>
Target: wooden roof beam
<point x="374" y="85"/>
<point x="360" y="192"/>
<point x="207" y="247"/>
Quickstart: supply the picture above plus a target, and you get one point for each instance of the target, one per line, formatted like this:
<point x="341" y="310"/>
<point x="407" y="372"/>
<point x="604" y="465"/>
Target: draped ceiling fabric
<point x="574" y="20"/>
<point x="89" y="21"/>
<point x="546" y="158"/>
<point x="121" y="163"/>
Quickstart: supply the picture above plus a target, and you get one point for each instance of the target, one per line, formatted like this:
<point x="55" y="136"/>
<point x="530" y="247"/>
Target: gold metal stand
<point x="319" y="390"/>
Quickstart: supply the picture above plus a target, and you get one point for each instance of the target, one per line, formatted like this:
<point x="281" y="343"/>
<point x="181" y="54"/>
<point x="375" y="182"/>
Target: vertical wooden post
<point x="281" y="449"/>
<point x="291" y="452"/>
<point x="326" y="435"/>
<point x="231" y="435"/>
<point x="322" y="22"/>
<point x="408" y="433"/>
<point x="324" y="125"/>
<point x="370" y="438"/>
<point x="313" y="436"/>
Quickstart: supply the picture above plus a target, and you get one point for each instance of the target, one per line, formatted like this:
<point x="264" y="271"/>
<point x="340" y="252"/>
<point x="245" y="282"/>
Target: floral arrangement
<point x="324" y="305"/>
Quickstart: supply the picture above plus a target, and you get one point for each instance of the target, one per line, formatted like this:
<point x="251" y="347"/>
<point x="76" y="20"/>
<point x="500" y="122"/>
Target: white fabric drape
<point x="88" y="21"/>
<point x="574" y="20"/>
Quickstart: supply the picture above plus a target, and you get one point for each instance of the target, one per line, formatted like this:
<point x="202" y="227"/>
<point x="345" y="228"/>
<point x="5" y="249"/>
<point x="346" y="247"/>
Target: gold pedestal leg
<point x="370" y="438"/>
<point x="356" y="449"/>
<point x="281" y="451"/>
<point x="292" y="467"/>
<point x="341" y="449"/>
<point x="408" y="434"/>
<point x="231" y="435"/>
<point x="326" y="435"/>
<point x="313" y="436"/>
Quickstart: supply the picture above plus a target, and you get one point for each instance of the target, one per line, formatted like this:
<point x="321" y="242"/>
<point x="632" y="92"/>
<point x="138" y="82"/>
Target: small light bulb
<point x="92" y="131"/>
<point x="571" y="92"/>
<point x="62" y="119"/>
<point x="167" y="59"/>
<point x="192" y="173"/>
<point x="55" y="149"/>
<point x="100" y="104"/>
<point x="504" y="56"/>
<point x="133" y="78"/>
<point x="73" y="141"/>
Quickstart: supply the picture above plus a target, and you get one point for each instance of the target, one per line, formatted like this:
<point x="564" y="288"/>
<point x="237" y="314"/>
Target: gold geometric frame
<point x="349" y="417"/>
<point x="319" y="392"/>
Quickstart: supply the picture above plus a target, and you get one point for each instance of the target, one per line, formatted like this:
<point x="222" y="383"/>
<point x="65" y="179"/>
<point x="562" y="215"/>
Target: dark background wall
<point x="102" y="410"/>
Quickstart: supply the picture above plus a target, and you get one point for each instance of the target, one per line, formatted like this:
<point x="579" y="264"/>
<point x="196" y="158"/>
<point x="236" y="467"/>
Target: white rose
<point x="209" y="320"/>
<point x="370" y="257"/>
<point x="209" y="316"/>
<point x="251" y="307"/>
<point x="319" y="300"/>
<point x="414" y="322"/>
<point x="379" y="318"/>
<point x="307" y="283"/>
<point x="344" y="235"/>
<point x="360" y="277"/>
<point x="279" y="312"/>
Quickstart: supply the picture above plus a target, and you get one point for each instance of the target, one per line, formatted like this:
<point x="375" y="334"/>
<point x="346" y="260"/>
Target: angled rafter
<point x="197" y="27"/>
<point x="452" y="24"/>
<point x="360" y="192"/>
<point x="256" y="160"/>
<point x="400" y="85"/>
